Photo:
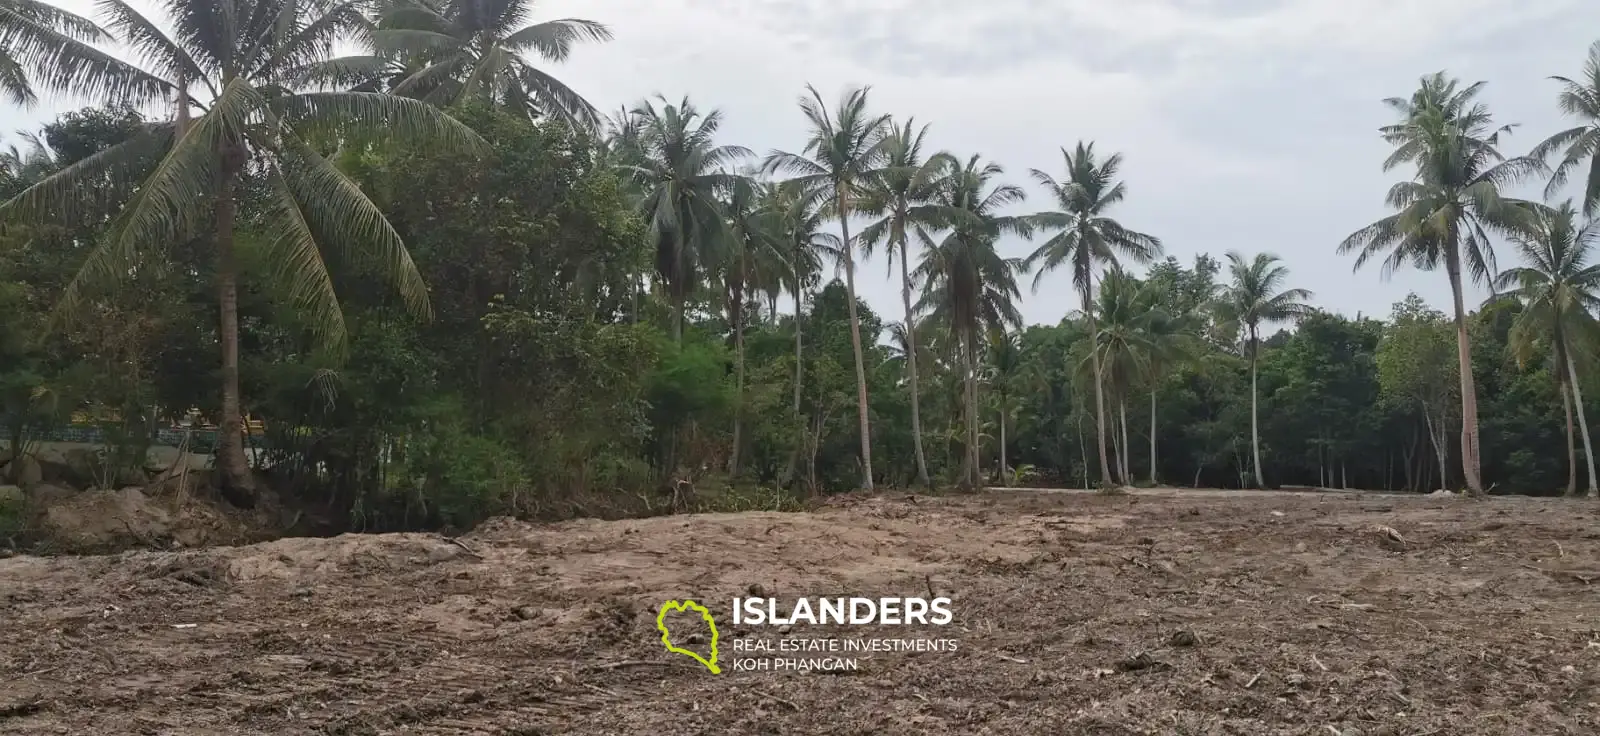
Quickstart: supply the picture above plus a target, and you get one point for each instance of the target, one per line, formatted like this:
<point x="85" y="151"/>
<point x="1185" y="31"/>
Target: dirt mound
<point x="100" y="521"/>
<point x="1177" y="612"/>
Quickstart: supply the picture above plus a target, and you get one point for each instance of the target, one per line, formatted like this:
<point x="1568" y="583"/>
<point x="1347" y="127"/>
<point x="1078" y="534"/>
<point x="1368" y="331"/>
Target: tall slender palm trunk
<point x="1099" y="388"/>
<point x="1255" y="421"/>
<point x="1469" y="391"/>
<point x="972" y="476"/>
<point x="799" y="370"/>
<point x="1153" y="438"/>
<point x="1583" y="424"/>
<point x="1005" y="478"/>
<point x="1572" y="448"/>
<point x="238" y="486"/>
<point x="911" y="365"/>
<point x="1127" y="449"/>
<point x="738" y="400"/>
<point x="855" y="344"/>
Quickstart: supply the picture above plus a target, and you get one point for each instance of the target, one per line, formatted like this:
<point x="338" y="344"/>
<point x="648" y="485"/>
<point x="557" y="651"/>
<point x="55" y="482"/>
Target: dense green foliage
<point x="610" y="309"/>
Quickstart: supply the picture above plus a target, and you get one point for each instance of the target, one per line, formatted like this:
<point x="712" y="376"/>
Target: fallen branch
<point x="1581" y="577"/>
<point x="632" y="663"/>
<point x="464" y="546"/>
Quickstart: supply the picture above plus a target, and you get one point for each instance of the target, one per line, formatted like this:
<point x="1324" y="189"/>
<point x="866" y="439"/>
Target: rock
<point x="12" y="497"/>
<point x="526" y="613"/>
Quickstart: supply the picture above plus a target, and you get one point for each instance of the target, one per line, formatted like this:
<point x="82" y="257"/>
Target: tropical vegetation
<point x="450" y="288"/>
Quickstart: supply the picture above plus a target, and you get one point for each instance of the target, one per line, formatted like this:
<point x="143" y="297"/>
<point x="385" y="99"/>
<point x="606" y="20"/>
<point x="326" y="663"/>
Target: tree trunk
<point x="738" y="357"/>
<point x="799" y="369"/>
<point x="911" y="366"/>
<point x="238" y="486"/>
<point x="1469" y="392"/>
<point x="1004" y="468"/>
<point x="1152" y="439"/>
<point x="1099" y="389"/>
<point x="969" y="463"/>
<point x="1572" y="450"/>
<point x="1083" y="452"/>
<point x="855" y="344"/>
<point x="1436" y="435"/>
<point x="1255" y="432"/>
<point x="1583" y="424"/>
<point x="1127" y="449"/>
<point x="1409" y="454"/>
<point x="1116" y="450"/>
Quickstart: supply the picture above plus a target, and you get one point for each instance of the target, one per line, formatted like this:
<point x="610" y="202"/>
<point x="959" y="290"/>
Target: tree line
<point x="452" y="287"/>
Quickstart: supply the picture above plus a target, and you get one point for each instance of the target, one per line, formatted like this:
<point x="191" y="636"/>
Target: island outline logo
<point x="666" y="636"/>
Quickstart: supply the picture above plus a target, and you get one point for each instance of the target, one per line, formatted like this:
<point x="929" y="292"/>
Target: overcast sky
<point x="1246" y="124"/>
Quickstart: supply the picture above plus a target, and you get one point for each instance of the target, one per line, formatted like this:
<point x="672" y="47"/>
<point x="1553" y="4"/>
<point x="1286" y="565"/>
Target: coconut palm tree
<point x="53" y="47"/>
<point x="1140" y="336"/>
<point x="750" y="236"/>
<point x="1005" y="366"/>
<point x="902" y="195"/>
<point x="796" y="224"/>
<point x="175" y="179"/>
<point x="678" y="170"/>
<point x="1123" y="312"/>
<point x="968" y="285"/>
<point x="1256" y="297"/>
<point x="843" y="150"/>
<point x="1578" y="145"/>
<point x="1086" y="238"/>
<point x="449" y="51"/>
<point x="1559" y="289"/>
<point x="1447" y="211"/>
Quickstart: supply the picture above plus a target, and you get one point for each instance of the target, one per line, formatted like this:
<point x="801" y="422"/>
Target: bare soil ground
<point x="1166" y="613"/>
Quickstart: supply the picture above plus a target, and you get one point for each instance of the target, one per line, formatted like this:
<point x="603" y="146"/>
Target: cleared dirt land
<point x="1176" y="613"/>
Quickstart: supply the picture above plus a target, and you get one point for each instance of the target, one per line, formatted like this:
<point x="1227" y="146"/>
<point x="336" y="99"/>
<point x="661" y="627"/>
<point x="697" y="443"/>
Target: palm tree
<point x="1447" y="210"/>
<point x="1139" y="337"/>
<point x="968" y="285"/>
<point x="1121" y="342"/>
<point x="52" y="45"/>
<point x="841" y="153"/>
<point x="902" y="196"/>
<point x="1579" y="145"/>
<point x="1178" y="313"/>
<point x="678" y="169"/>
<point x="1558" y="289"/>
<point x="1086" y="238"/>
<point x="1251" y="300"/>
<point x="797" y="234"/>
<point x="749" y="236"/>
<point x="1005" y="365"/>
<point x="448" y="51"/>
<point x="176" y="178"/>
